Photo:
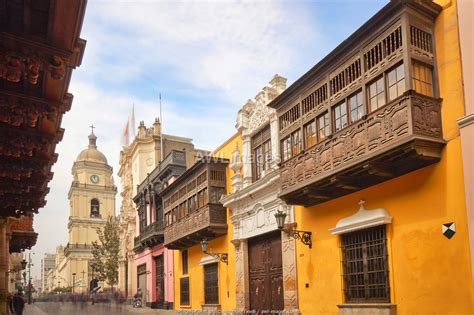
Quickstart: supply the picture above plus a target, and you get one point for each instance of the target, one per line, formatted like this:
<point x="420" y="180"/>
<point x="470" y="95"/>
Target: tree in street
<point x="106" y="253"/>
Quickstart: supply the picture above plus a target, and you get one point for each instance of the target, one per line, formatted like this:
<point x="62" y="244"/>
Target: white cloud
<point x="206" y="57"/>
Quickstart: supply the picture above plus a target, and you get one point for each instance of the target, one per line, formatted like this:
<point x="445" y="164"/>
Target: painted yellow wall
<point x="429" y="274"/>
<point x="221" y="245"/>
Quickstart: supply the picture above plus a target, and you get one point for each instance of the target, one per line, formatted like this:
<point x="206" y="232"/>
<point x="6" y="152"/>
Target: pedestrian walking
<point x="18" y="303"/>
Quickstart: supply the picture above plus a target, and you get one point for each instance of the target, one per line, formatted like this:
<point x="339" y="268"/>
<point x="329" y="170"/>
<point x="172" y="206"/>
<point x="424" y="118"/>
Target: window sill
<point x="185" y="306"/>
<point x="211" y="307"/>
<point x="373" y="308"/>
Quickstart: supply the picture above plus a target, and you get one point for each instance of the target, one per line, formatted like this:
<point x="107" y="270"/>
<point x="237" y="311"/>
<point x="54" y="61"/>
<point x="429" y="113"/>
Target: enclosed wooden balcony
<point x="191" y="205"/>
<point x="398" y="138"/>
<point x="151" y="235"/>
<point x="367" y="112"/>
<point x="208" y="222"/>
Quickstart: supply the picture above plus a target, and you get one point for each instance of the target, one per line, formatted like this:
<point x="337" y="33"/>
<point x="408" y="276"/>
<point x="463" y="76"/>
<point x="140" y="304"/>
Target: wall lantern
<point x="23" y="264"/>
<point x="303" y="236"/>
<point x="219" y="256"/>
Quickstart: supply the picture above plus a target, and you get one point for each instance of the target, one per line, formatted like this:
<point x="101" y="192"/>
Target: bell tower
<point x="91" y="203"/>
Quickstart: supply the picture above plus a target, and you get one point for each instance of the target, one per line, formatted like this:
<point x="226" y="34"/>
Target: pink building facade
<point x="156" y="277"/>
<point x="154" y="263"/>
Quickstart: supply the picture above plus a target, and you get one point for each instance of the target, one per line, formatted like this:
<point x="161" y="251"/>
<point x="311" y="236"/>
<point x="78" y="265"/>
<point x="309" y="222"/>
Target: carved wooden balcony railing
<point x="207" y="222"/>
<point x="398" y="138"/>
<point x="152" y="235"/>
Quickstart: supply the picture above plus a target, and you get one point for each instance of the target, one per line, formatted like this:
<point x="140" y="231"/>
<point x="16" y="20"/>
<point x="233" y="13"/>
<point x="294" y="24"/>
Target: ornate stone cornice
<point x="248" y="194"/>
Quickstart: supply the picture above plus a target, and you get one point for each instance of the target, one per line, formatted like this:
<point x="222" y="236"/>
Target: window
<point x="422" y="78"/>
<point x="184" y="291"/>
<point x="376" y="94"/>
<point x="396" y="82"/>
<point x="184" y="261"/>
<point x="365" y="267"/>
<point x="159" y="212"/>
<point x="262" y="153"/>
<point x="286" y="148"/>
<point x="296" y="142"/>
<point x="310" y="134"/>
<point x="356" y="107"/>
<point x="95" y="208"/>
<point x="323" y="126"/>
<point x="192" y="204"/>
<point x="340" y="116"/>
<point x="211" y="288"/>
<point x="142" y="218"/>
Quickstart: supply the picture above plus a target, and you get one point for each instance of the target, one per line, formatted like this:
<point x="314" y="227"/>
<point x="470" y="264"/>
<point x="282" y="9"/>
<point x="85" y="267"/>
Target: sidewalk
<point x="32" y="309"/>
<point x="42" y="308"/>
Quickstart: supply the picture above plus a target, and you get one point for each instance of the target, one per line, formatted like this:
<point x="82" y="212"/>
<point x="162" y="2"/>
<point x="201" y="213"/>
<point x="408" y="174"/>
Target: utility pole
<point x="29" y="277"/>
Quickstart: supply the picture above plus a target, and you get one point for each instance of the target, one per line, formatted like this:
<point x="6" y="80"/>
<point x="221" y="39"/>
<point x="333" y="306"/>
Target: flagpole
<point x="161" y="132"/>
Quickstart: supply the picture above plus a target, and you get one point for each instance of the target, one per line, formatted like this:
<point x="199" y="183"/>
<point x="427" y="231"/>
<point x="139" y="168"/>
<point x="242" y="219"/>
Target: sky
<point x="206" y="58"/>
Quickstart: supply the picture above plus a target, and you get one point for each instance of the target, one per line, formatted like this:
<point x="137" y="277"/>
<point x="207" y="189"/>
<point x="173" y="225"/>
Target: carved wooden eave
<point x="39" y="48"/>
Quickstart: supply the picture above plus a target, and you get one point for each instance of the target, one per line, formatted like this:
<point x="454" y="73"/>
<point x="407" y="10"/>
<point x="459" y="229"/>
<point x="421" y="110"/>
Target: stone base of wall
<point x="367" y="309"/>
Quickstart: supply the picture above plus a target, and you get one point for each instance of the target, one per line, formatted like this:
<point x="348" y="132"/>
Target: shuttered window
<point x="211" y="288"/>
<point x="184" y="291"/>
<point x="365" y="267"/>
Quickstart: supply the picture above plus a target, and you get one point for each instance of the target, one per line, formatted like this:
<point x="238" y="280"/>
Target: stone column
<point x="247" y="160"/>
<point x="241" y="275"/>
<point x="275" y="140"/>
<point x="289" y="275"/>
<point x="3" y="266"/>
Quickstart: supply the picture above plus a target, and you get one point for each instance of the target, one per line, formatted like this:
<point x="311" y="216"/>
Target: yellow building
<point x="91" y="203"/>
<point x="221" y="277"/>
<point x="371" y="159"/>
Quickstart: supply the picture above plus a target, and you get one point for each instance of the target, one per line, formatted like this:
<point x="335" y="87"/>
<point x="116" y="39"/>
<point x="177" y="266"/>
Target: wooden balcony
<point x="151" y="236"/>
<point x="192" y="205"/>
<point x="208" y="222"/>
<point x="398" y="138"/>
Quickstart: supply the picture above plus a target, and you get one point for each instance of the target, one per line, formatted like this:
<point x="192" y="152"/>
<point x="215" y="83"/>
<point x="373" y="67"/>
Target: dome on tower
<point x="91" y="153"/>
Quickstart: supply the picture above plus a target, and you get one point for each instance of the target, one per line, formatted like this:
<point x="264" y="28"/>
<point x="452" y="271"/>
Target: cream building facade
<point x="137" y="161"/>
<point x="254" y="199"/>
<point x="91" y="202"/>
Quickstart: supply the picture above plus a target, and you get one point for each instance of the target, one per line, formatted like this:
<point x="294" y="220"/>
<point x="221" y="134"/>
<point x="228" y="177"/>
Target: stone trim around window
<point x="372" y="309"/>
<point x="362" y="219"/>
<point x="208" y="260"/>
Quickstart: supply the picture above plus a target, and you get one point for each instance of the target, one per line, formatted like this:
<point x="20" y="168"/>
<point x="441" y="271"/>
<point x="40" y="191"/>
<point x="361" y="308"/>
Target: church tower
<point x="91" y="203"/>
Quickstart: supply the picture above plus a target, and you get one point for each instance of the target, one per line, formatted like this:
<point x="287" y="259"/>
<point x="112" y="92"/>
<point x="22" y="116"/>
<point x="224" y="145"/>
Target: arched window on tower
<point x="95" y="208"/>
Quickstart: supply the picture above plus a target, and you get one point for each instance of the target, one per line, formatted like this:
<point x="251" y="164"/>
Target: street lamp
<point x="219" y="256"/>
<point x="73" y="281"/>
<point x="303" y="236"/>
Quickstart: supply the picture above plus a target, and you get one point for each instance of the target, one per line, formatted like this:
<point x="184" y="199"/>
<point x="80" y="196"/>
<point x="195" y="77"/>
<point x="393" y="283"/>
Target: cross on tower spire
<point x="92" y="128"/>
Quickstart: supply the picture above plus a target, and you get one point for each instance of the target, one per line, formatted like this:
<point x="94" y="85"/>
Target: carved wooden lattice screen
<point x="365" y="267"/>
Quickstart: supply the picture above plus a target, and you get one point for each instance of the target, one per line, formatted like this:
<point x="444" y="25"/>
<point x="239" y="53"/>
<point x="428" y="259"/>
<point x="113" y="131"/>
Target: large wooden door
<point x="160" y="281"/>
<point x="265" y="273"/>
